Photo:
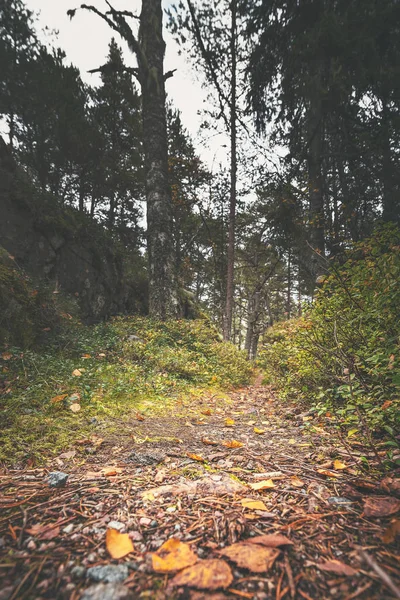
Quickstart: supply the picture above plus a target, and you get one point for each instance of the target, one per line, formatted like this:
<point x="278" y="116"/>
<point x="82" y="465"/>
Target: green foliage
<point x="343" y="355"/>
<point x="127" y="365"/>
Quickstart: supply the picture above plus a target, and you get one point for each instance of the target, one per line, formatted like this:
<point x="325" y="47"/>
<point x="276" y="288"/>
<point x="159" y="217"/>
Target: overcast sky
<point x="85" y="41"/>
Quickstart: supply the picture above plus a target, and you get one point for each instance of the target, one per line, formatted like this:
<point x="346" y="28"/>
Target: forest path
<point x="193" y="476"/>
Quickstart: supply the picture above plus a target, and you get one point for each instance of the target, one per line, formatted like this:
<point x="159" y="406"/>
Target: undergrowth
<point x="108" y="373"/>
<point x="342" y="356"/>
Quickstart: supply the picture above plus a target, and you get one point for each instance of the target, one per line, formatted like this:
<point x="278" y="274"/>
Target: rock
<point x="108" y="573"/>
<point x="57" y="479"/>
<point x="78" y="572"/>
<point x="146" y="458"/>
<point x="107" y="591"/>
<point x="116" y="525"/>
<point x="69" y="528"/>
<point x="135" y="338"/>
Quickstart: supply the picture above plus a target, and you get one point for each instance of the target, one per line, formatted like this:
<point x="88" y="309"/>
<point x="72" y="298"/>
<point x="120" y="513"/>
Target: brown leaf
<point x="196" y="457"/>
<point x="211" y="574"/>
<point x="206" y="412"/>
<point x="209" y="442"/>
<point x="59" y="398"/>
<point x="111" y="471"/>
<point x="270" y="540"/>
<point x="296" y="482"/>
<point x="328" y="473"/>
<point x="118" y="544"/>
<point x="44" y="532"/>
<point x="335" y="566"/>
<point x="391" y="532"/>
<point x="232" y="444"/>
<point x="139" y="417"/>
<point x="262" y="485"/>
<point x="381" y="506"/>
<point x="76" y="373"/>
<point x="6" y="356"/>
<point x="253" y="504"/>
<point x="253" y="557"/>
<point x="391" y="486"/>
<point x="173" y="555"/>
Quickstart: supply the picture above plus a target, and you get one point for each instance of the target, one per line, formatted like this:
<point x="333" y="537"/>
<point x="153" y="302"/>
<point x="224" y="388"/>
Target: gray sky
<point x="85" y="41"/>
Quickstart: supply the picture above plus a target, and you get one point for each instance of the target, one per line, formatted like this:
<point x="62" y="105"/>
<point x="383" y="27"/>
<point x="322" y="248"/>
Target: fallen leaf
<point x="75" y="407"/>
<point x="391" y="532"/>
<point x="229" y="422"/>
<point x="381" y="506"/>
<point x="258" y="431"/>
<point x="68" y="455"/>
<point x="76" y="373"/>
<point x="270" y="540"/>
<point x="206" y="412"/>
<point x="196" y="457"/>
<point x="253" y="504"/>
<point x="110" y="471"/>
<point x="44" y="532"/>
<point x="292" y="442"/>
<point x="6" y="356"/>
<point x="173" y="555"/>
<point x="335" y="566"/>
<point x="86" y="356"/>
<point x="139" y="417"/>
<point x="211" y="574"/>
<point x="254" y="557"/>
<point x="59" y="398"/>
<point x="296" y="482"/>
<point x="232" y="444"/>
<point x="328" y="473"/>
<point x="209" y="442"/>
<point x="118" y="544"/>
<point x="338" y="465"/>
<point x="262" y="485"/>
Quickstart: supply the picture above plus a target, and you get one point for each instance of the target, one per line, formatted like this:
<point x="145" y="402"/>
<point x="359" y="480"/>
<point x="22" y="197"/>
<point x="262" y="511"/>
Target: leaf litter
<point x="254" y="516"/>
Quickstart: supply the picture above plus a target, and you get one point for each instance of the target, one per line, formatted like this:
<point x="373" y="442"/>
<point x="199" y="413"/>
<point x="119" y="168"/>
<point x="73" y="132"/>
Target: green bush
<point x="343" y="355"/>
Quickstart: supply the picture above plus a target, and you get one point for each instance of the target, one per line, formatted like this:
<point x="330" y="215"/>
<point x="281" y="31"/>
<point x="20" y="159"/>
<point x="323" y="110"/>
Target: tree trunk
<point x="390" y="202"/>
<point x="317" y="221"/>
<point x="162" y="291"/>
<point x="289" y="284"/>
<point x="227" y="329"/>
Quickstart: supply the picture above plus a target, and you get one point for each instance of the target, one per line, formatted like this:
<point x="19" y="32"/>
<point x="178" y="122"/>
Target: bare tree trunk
<point x="227" y="329"/>
<point x="162" y="293"/>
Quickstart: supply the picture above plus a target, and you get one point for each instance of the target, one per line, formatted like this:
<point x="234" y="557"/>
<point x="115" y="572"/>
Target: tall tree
<point x="149" y="47"/>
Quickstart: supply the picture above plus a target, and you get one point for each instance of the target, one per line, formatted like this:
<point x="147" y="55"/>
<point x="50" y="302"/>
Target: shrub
<point x="343" y="355"/>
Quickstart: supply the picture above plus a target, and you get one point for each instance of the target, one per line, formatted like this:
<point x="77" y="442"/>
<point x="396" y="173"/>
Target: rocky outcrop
<point x="66" y="248"/>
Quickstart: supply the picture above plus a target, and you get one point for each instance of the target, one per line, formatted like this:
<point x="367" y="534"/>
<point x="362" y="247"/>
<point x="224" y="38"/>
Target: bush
<point x="343" y="355"/>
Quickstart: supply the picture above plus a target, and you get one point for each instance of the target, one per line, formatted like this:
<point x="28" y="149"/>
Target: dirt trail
<point x="191" y="476"/>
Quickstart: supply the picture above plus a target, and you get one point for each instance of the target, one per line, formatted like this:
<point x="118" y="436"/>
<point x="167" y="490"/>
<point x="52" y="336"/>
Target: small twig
<point x="387" y="580"/>
<point x="289" y="574"/>
<point x="24" y="523"/>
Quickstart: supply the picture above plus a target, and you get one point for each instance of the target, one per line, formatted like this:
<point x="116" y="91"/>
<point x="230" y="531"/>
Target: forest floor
<point x="245" y="497"/>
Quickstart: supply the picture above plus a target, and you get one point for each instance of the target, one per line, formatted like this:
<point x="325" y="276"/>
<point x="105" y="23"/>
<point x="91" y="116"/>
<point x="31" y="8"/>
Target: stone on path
<point x="57" y="479"/>
<point x="107" y="591"/>
<point x="108" y="573"/>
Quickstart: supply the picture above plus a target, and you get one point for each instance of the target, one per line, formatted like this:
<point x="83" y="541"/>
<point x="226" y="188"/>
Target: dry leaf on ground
<point x="391" y="532"/>
<point x="111" y="471"/>
<point x="328" y="473"/>
<point x="139" y="417"/>
<point x="44" y="532"/>
<point x="232" y="444"/>
<point x="196" y="457"/>
<point x="339" y="465"/>
<point x="270" y="540"/>
<point x="118" y="544"/>
<point x="75" y="407"/>
<point x="381" y="506"/>
<point x="253" y="504"/>
<point x="296" y="482"/>
<point x="76" y="373"/>
<point x="262" y="485"/>
<point x="253" y="557"/>
<point x="209" y="442"/>
<point x="229" y="422"/>
<point x="59" y="398"/>
<point x="173" y="555"/>
<point x="335" y="566"/>
<point x="258" y="431"/>
<point x="206" y="412"/>
<point x="211" y="574"/>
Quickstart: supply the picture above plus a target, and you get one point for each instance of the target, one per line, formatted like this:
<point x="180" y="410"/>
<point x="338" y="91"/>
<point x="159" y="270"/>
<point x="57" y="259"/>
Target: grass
<point x="111" y="372"/>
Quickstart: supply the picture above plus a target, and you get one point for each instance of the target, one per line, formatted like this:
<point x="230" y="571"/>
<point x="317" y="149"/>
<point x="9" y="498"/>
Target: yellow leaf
<point x="328" y="473"/>
<point x="75" y="407"/>
<point x="253" y="504"/>
<point x="229" y="422"/>
<point x="352" y="432"/>
<point x="262" y="485"/>
<point x="259" y="431"/>
<point x="196" y="457"/>
<point x="292" y="442"/>
<point x="173" y="555"/>
<point x="76" y="373"/>
<point x="118" y="544"/>
<point x="232" y="444"/>
<point x="59" y="398"/>
<point x="338" y="465"/>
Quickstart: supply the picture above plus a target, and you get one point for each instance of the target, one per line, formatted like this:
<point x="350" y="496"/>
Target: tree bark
<point x="227" y="329"/>
<point x="162" y="292"/>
